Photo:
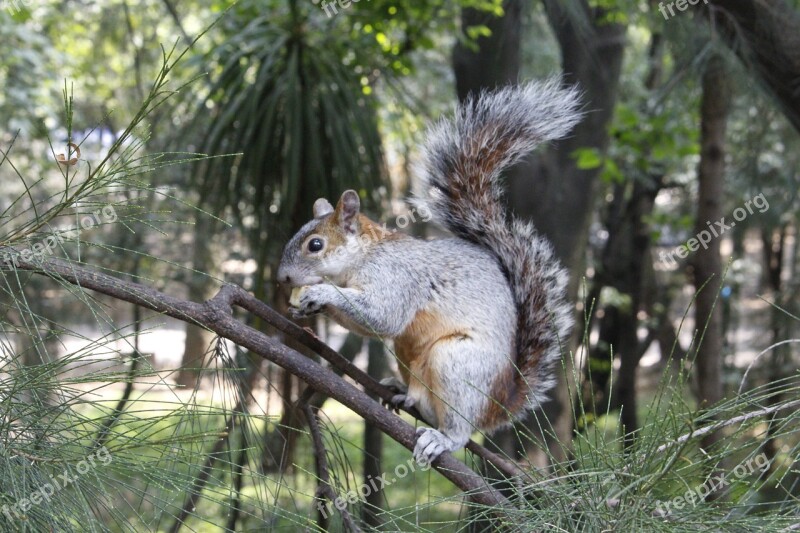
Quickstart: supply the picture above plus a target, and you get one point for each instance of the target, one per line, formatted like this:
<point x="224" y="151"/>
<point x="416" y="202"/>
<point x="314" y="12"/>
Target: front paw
<point x="400" y="400"/>
<point x="400" y="397"/>
<point x="310" y="301"/>
<point x="394" y="385"/>
<point x="430" y="445"/>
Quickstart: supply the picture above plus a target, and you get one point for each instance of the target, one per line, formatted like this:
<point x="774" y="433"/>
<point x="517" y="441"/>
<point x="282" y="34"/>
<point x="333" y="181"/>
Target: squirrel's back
<point x="463" y="161"/>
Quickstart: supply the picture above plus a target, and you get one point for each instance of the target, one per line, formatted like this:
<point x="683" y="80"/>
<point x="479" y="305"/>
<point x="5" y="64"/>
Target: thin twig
<point x="202" y="478"/>
<point x="735" y="420"/>
<point x="105" y="431"/>
<point x="753" y="362"/>
<point x="324" y="487"/>
<point x="177" y="20"/>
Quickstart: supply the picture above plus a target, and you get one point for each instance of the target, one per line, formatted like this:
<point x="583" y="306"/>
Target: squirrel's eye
<point x="315" y="245"/>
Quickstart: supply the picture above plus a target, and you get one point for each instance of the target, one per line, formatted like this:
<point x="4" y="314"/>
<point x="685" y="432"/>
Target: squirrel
<point x="478" y="320"/>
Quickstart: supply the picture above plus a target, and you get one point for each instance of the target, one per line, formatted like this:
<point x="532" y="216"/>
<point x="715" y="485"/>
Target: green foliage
<point x="286" y="94"/>
<point x="400" y="27"/>
<point x="27" y="57"/>
<point x="615" y="11"/>
<point x="52" y="408"/>
<point x="85" y="185"/>
<point x="660" y="482"/>
<point x="649" y="141"/>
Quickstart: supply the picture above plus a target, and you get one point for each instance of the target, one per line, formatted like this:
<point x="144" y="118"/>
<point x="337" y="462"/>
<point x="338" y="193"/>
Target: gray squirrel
<point x="478" y="320"/>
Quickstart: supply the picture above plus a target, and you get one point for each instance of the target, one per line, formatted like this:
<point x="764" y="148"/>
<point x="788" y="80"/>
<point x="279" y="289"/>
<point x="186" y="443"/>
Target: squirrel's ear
<point x="322" y="207"/>
<point x="347" y="211"/>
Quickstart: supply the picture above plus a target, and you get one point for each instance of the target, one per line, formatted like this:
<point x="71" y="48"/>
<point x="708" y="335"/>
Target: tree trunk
<point x="591" y="56"/>
<point x="763" y="33"/>
<point x="496" y="62"/>
<point x="625" y="264"/>
<point x="201" y="287"/>
<point x="707" y="263"/>
<point x="774" y="246"/>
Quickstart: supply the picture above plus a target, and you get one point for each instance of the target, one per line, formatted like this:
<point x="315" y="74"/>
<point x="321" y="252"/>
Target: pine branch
<point x="216" y="315"/>
<point x="735" y="420"/>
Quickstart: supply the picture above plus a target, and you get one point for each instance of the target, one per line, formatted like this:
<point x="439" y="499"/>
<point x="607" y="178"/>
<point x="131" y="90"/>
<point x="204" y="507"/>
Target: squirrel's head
<point x="329" y="245"/>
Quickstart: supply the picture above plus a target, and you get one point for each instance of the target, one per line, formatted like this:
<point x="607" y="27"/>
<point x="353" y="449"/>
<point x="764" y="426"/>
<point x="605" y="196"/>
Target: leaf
<point x="587" y="158"/>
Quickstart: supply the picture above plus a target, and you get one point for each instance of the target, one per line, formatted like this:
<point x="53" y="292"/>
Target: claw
<point x="399" y="400"/>
<point x="297" y="314"/>
<point x="430" y="445"/>
<point x="388" y="405"/>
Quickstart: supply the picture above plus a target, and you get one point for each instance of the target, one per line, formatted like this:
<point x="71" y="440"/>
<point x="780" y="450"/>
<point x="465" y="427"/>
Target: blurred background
<point x="674" y="205"/>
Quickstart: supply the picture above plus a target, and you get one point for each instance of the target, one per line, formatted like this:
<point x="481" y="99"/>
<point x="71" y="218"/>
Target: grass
<point x="602" y="472"/>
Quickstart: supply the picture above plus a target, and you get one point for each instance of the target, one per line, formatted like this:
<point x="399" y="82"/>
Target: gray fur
<point x="497" y="281"/>
<point x="448" y="276"/>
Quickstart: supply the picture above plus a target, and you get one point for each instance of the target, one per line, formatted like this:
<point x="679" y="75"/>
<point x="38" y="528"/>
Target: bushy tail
<point x="463" y="160"/>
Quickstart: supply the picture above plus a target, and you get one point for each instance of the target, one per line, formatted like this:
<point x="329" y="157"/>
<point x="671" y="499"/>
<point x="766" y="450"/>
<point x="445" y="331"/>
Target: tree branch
<point x="216" y="315"/>
<point x="725" y="423"/>
<point x="324" y="488"/>
<point x="177" y="20"/>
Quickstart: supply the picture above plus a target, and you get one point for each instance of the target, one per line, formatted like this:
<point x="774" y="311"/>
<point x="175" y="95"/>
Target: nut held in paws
<point x="297" y="292"/>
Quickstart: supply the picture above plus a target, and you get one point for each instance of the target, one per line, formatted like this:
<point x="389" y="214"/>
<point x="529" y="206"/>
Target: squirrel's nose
<point x="283" y="276"/>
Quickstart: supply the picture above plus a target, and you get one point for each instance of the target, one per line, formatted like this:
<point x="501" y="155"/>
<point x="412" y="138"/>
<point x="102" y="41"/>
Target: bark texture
<point x="706" y="262"/>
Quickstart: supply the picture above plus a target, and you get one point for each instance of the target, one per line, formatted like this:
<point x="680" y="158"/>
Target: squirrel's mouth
<point x="295" y="282"/>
